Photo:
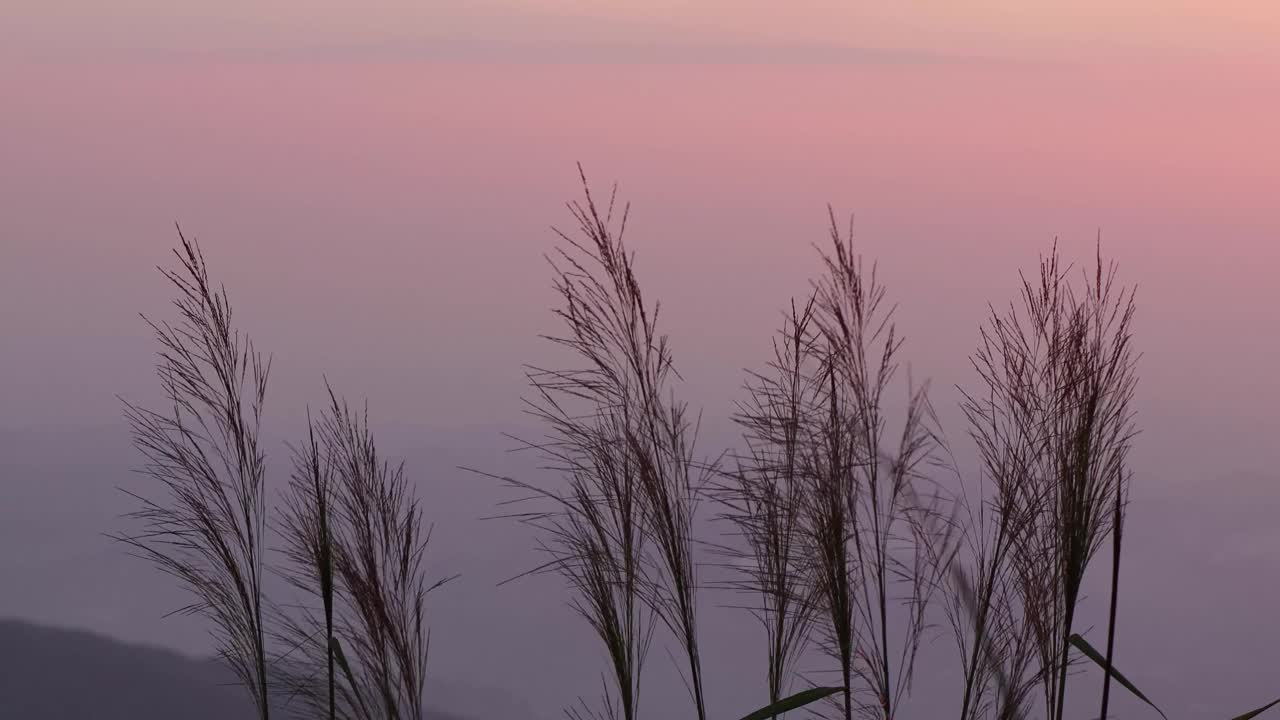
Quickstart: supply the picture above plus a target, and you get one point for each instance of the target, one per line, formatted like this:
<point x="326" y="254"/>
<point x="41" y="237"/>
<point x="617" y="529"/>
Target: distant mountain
<point x="56" y="674"/>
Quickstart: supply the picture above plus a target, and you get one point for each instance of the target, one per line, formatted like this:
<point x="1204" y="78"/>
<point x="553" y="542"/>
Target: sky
<point x="375" y="183"/>
<point x="484" y="30"/>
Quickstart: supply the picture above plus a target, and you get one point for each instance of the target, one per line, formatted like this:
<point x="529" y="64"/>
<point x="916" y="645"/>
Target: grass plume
<point x="883" y="544"/>
<point x="206" y="525"/>
<point x="765" y="498"/>
<point x="356" y="539"/>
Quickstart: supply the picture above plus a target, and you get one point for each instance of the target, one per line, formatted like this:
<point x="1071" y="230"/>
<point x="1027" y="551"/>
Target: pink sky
<point x="395" y="170"/>
<point x="1095" y="29"/>
<point x="409" y="185"/>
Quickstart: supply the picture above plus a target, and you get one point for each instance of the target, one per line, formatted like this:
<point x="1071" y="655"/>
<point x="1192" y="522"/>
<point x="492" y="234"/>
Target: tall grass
<point x="353" y="531"/>
<point x="609" y="439"/>
<point x="840" y="534"/>
<point x="621" y="530"/>
<point x="206" y="524"/>
<point x="1054" y="425"/>
<point x="306" y="525"/>
<point x="1082" y="389"/>
<point x="880" y="537"/>
<point x="840" y="528"/>
<point x="765" y="499"/>
<point x="356" y="539"/>
<point x="829" y="507"/>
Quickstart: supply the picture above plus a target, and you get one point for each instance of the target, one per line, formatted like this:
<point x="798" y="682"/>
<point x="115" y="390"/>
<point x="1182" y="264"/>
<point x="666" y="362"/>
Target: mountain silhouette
<point x="58" y="674"/>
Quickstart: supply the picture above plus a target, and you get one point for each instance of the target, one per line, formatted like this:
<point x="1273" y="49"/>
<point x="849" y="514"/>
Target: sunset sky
<point x="375" y="183"/>
<point x="709" y="30"/>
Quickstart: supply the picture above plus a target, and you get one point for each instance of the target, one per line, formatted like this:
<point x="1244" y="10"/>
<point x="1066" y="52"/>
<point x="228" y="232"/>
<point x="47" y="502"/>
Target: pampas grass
<point x="764" y="500"/>
<point x="1054" y="426"/>
<point x="356" y="539"/>
<point x="881" y="534"/>
<point x="206" y="524"/>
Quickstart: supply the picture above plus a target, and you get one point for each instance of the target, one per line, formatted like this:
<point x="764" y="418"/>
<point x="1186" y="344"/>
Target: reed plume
<point x="356" y="539"/>
<point x="878" y="526"/>
<point x="1054" y="425"/>
<point x="765" y="498"/>
<point x="205" y="527"/>
<point x="613" y="533"/>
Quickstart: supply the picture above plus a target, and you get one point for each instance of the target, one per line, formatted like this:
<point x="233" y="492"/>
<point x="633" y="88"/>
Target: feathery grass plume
<point x="989" y="598"/>
<point x="829" y="526"/>
<point x="1090" y="381"/>
<point x="1060" y="375"/>
<point x="878" y="539"/>
<point x="618" y="333"/>
<point x="355" y="540"/>
<point x="206" y="526"/>
<point x="764" y="499"/>
<point x="379" y="545"/>
<point x="306" y="525"/>
<point x="592" y="538"/>
<point x="622" y="533"/>
<point x="594" y="531"/>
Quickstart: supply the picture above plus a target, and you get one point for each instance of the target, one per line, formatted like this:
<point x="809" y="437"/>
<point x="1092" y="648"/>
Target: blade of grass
<point x="335" y="647"/>
<point x="793" y="702"/>
<point x="1255" y="713"/>
<point x="1083" y="646"/>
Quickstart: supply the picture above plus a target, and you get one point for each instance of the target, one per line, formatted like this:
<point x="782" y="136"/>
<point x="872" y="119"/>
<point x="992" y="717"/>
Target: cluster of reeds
<point x="1053" y="422"/>
<point x="353" y="533"/>
<point x="835" y="535"/>
<point x="840" y="534"/>
<point x="880" y="537"/>
<point x="355" y="539"/>
<point x="844" y="533"/>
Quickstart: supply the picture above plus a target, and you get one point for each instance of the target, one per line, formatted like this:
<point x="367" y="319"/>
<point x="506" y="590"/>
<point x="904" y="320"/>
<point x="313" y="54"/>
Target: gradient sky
<point x="375" y="182"/>
<point x="481" y="29"/>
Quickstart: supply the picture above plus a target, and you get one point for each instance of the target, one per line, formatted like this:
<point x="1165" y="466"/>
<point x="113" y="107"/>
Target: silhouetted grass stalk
<point x="871" y="527"/>
<point x="379" y="544"/>
<point x="306" y="526"/>
<point x="1117" y="531"/>
<point x="208" y="530"/>
<point x="1054" y="426"/>
<point x="765" y="499"/>
<point x="621" y="533"/>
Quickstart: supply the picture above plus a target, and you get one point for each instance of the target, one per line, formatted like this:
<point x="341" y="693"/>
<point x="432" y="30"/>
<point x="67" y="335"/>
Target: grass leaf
<point x="1083" y="646"/>
<point x="1255" y="713"/>
<point x="335" y="646"/>
<point x="799" y="700"/>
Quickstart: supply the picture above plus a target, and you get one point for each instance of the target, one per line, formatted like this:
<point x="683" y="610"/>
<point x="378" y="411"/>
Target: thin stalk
<point x="326" y="579"/>
<point x="1062" y="663"/>
<point x="1116" y="533"/>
